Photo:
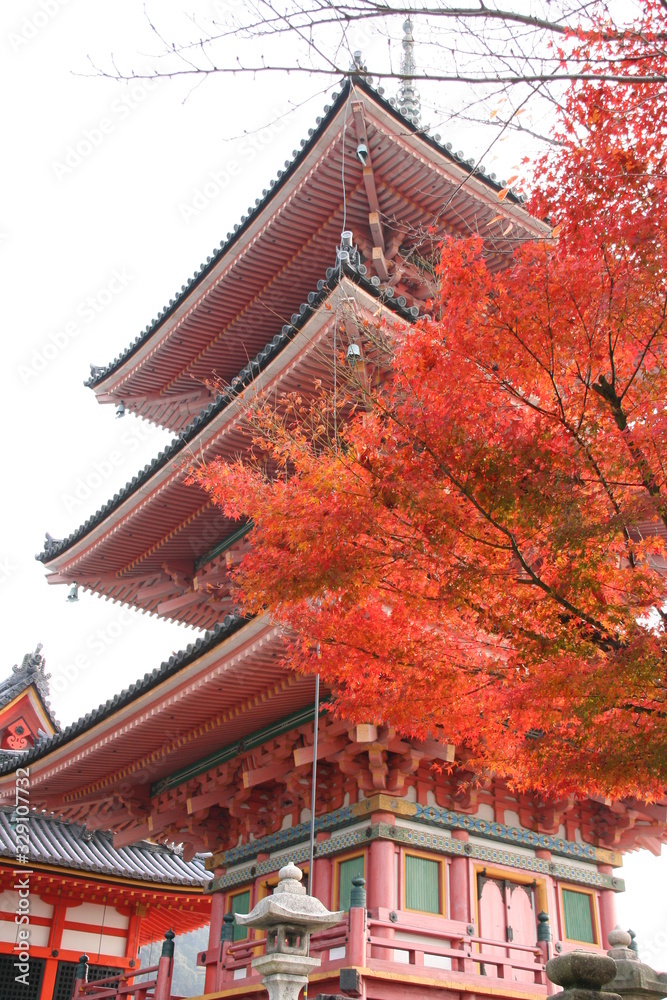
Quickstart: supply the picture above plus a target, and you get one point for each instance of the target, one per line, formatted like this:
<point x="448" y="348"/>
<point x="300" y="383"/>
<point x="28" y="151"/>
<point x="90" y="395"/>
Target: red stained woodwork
<point x="231" y="314"/>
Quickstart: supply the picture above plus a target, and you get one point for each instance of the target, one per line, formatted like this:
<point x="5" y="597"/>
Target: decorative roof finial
<point x="408" y="96"/>
<point x="32" y="663"/>
<point x="358" y="66"/>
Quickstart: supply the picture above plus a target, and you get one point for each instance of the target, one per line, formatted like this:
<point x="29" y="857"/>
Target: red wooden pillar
<point x="214" y="942"/>
<point x="132" y="937"/>
<point x="381" y="874"/>
<point x="459" y="884"/>
<point x="49" y="977"/>
<point x="322" y="877"/>
<point x="459" y="892"/>
<point x="54" y="943"/>
<point x="165" y="969"/>
<point x="382" y="881"/>
<point x="607" y="908"/>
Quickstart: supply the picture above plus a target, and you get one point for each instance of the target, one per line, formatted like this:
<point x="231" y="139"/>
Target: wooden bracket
<point x="259" y="775"/>
<point x="191" y="597"/>
<point x="380" y="264"/>
<point x="376" y="229"/>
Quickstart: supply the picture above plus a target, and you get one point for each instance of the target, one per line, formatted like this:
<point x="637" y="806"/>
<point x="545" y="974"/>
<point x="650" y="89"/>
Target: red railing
<point x="156" y="988"/>
<point x="466" y="952"/>
<point x="325" y="941"/>
<point x="380" y="943"/>
<point x="102" y="989"/>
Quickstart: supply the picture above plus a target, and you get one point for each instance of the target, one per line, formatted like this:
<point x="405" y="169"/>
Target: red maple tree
<point x="480" y="552"/>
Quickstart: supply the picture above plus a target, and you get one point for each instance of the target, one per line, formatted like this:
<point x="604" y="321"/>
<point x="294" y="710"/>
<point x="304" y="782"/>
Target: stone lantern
<point x="634" y="980"/>
<point x="582" y="974"/>
<point x="289" y="917"/>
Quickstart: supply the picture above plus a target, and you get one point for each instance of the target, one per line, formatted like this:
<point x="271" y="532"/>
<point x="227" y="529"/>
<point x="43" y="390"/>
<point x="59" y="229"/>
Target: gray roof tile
<point x="69" y="845"/>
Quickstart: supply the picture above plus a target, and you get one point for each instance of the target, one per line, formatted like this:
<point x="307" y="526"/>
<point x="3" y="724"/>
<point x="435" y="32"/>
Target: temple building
<point x="468" y="888"/>
<point x="25" y="712"/>
<point x="65" y="885"/>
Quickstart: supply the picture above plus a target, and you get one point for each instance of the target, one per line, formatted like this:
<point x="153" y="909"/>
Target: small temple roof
<point x="68" y="845"/>
<point x="402" y="110"/>
<point x="30" y="672"/>
<point x="221" y="632"/>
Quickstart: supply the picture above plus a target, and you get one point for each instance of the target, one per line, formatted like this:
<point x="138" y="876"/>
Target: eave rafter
<point x="264" y="296"/>
<point x="146" y="764"/>
<point x="374" y="215"/>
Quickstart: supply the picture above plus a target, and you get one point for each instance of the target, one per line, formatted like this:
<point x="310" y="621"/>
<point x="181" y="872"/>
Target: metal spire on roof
<point x="408" y="96"/>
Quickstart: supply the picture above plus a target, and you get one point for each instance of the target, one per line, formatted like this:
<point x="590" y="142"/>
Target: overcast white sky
<point x="103" y="216"/>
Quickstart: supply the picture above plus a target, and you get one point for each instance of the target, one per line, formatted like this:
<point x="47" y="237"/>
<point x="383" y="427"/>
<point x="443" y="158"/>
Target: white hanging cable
<point x="339" y="266"/>
<point x="313" y="794"/>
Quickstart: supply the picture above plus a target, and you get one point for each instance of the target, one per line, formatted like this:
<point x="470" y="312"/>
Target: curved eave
<point x="196" y="653"/>
<point x="156" y="339"/>
<point x="207" y="274"/>
<point x="217" y="699"/>
<point x="65" y="557"/>
<point x="121" y="882"/>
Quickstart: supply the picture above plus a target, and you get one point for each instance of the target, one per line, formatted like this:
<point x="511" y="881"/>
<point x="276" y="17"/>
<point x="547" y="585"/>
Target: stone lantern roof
<point x="290" y="904"/>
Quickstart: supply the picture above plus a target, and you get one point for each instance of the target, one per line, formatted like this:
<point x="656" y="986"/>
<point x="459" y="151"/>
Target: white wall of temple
<point x="97" y="915"/>
<point x="93" y="943"/>
<point x="40" y="914"/>
<point x="107" y="933"/>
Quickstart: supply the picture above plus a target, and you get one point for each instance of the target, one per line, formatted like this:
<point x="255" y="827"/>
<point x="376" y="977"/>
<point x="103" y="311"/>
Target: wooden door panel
<point x="521" y="920"/>
<point x="507" y="916"/>
<point x="492" y="920"/>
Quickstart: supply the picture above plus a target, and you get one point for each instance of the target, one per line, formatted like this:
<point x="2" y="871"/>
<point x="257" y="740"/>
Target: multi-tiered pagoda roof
<point x="269" y="292"/>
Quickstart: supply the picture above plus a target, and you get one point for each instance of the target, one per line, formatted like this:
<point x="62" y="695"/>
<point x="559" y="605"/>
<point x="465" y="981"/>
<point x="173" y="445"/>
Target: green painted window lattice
<point x="422" y="884"/>
<point x="347" y="870"/>
<point x="240" y="903"/>
<point x="578" y="916"/>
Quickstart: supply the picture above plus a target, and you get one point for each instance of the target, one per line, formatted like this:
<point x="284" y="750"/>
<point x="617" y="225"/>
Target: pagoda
<point x="70" y="889"/>
<point x="449" y="888"/>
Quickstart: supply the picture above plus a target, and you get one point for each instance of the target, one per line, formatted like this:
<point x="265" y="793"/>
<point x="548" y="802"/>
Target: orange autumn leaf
<point x="478" y="549"/>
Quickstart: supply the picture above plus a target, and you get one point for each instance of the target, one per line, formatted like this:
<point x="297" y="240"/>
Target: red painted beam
<point x="268" y="773"/>
<point x="131" y="836"/>
<point x="304" y="755"/>
<point x="181" y="602"/>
